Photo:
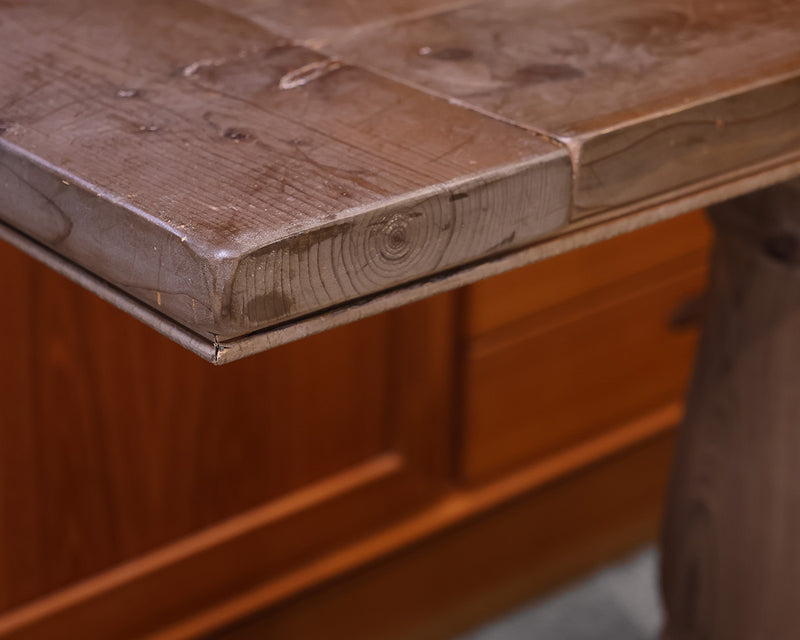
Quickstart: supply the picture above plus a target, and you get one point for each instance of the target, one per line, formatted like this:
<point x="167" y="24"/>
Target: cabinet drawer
<point x="577" y="369"/>
<point x="498" y="301"/>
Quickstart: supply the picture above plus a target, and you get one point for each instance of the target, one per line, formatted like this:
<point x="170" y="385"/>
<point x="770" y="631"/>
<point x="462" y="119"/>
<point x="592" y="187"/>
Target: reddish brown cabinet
<point x="144" y="491"/>
<point x="567" y="348"/>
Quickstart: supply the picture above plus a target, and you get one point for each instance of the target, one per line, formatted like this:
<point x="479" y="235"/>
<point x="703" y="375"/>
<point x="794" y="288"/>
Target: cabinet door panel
<point x="117" y="447"/>
<point x="580" y="347"/>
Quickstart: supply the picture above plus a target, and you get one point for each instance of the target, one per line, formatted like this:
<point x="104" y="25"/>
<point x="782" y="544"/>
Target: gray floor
<point x="618" y="603"/>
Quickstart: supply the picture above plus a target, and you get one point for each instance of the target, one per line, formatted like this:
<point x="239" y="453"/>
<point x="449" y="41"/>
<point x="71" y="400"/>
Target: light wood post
<point x="731" y="542"/>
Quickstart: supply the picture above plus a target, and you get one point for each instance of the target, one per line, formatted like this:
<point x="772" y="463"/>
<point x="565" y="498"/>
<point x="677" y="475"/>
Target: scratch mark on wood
<point x="194" y="67"/>
<point x="308" y="73"/>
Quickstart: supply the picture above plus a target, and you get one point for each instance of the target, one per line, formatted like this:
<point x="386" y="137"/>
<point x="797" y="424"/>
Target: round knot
<point x="395" y="243"/>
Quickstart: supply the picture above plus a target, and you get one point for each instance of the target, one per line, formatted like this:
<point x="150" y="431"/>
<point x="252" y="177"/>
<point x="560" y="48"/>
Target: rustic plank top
<point x="243" y="173"/>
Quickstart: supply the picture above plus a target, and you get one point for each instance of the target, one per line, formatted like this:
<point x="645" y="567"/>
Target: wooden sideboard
<point x="390" y="468"/>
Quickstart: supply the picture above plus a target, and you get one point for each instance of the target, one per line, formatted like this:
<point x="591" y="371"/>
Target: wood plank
<point x="318" y="21"/>
<point x="232" y="180"/>
<point x="652" y="97"/>
<point x="578" y="234"/>
<point x="258" y="189"/>
<point x="195" y="343"/>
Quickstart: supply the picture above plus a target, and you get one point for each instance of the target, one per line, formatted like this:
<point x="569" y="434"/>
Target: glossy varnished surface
<point x="124" y="457"/>
<point x="240" y="165"/>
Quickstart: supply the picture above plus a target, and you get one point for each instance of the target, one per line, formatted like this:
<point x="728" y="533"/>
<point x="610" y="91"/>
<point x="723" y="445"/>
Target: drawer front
<point x="581" y="368"/>
<point x="508" y="298"/>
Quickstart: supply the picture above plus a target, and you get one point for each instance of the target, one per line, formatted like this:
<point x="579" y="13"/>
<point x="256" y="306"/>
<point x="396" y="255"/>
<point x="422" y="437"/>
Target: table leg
<point x="731" y="540"/>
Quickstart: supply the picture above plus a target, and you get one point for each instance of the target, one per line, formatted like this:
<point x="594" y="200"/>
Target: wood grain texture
<point x="116" y="444"/>
<point x="444" y="584"/>
<point x="578" y="234"/>
<point x="515" y="296"/>
<point x="233" y="180"/>
<point x="318" y="21"/>
<point x="578" y="369"/>
<point x="731" y="561"/>
<point x="198" y="345"/>
<point x="618" y="315"/>
<point x="271" y="513"/>
<point x="653" y="98"/>
<point x="18" y="398"/>
<point x="125" y="594"/>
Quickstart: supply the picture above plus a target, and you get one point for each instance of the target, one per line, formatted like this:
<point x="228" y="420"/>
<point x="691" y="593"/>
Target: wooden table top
<point x="243" y="173"/>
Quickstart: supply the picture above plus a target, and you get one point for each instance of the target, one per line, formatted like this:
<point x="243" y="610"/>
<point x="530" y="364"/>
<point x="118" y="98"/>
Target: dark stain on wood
<point x="535" y="73"/>
<point x="450" y="54"/>
<point x="236" y="134"/>
<point x="269" y="305"/>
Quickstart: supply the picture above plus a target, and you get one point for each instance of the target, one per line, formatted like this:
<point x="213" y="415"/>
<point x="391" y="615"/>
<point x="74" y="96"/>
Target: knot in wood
<point x="395" y="243"/>
<point x="399" y="242"/>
